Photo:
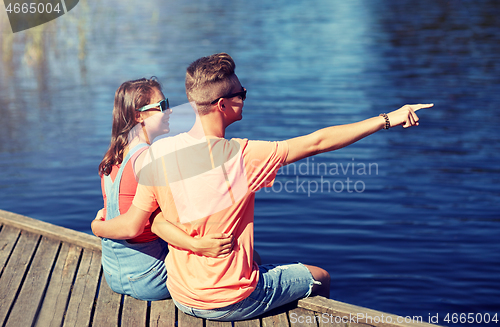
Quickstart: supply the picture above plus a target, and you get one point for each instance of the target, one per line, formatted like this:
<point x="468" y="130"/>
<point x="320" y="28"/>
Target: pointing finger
<point x="416" y="107"/>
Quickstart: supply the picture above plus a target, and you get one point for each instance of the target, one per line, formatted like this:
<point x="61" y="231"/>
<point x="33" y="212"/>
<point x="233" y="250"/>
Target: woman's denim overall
<point x="135" y="269"/>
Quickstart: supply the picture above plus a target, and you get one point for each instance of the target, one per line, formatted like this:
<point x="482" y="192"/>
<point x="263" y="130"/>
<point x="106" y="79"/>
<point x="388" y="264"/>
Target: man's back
<point x="207" y="186"/>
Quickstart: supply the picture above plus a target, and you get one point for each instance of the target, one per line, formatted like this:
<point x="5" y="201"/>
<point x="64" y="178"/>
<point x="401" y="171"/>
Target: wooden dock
<point x="52" y="276"/>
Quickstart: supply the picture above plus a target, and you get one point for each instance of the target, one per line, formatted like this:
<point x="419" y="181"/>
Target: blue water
<point x="411" y="230"/>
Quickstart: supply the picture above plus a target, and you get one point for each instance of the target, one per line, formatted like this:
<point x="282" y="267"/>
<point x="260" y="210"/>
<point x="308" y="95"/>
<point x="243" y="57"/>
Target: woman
<point x="135" y="265"/>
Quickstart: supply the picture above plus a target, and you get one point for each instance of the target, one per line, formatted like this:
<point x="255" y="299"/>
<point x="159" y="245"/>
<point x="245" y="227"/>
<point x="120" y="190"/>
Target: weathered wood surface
<point x="52" y="276"/>
<point x="60" y="233"/>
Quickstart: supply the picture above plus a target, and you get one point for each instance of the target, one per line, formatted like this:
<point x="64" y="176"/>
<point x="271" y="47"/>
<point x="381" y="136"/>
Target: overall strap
<point x="112" y="188"/>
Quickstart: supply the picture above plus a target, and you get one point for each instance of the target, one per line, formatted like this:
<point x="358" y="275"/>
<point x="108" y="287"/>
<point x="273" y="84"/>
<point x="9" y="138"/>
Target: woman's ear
<point x="138" y="117"/>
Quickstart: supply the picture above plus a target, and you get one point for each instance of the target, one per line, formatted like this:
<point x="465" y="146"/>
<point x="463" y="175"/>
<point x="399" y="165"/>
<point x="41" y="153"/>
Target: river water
<point x="404" y="220"/>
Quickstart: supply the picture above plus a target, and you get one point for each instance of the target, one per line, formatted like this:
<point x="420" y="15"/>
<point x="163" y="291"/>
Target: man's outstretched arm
<point x="337" y="137"/>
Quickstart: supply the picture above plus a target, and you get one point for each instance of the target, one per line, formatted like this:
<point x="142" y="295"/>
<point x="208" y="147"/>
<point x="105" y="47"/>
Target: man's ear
<point x="220" y="104"/>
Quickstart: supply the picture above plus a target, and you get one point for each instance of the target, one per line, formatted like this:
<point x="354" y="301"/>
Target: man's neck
<point x="209" y="126"/>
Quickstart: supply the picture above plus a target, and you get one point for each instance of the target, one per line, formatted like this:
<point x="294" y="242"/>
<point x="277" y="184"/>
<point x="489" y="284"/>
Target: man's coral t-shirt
<point x="207" y="186"/>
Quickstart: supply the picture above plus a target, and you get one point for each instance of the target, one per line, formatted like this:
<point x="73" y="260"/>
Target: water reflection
<point x="35" y="46"/>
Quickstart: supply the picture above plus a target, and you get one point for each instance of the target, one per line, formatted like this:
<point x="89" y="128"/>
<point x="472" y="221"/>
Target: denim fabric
<point x="135" y="269"/>
<point x="278" y="285"/>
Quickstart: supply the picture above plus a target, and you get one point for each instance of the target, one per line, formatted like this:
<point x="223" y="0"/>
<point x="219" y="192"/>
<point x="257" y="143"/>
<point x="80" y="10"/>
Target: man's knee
<point x="322" y="276"/>
<point x="318" y="273"/>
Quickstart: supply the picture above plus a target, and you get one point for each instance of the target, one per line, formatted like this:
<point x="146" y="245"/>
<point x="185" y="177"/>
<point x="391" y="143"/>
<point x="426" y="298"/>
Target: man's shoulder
<point x="169" y="138"/>
<point x="258" y="149"/>
<point x="169" y="141"/>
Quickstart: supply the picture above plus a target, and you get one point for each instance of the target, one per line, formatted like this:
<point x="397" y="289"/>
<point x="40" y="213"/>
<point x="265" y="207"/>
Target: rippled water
<point x="411" y="230"/>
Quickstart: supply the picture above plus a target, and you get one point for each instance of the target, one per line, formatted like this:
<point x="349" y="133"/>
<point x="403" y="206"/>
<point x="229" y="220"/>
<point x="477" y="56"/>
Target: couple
<point x="205" y="187"/>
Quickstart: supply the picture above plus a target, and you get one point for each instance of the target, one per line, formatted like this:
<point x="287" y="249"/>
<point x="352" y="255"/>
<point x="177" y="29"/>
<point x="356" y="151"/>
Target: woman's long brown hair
<point x="130" y="96"/>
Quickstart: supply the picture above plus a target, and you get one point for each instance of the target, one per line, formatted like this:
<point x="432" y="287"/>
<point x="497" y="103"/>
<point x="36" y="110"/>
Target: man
<point x="205" y="184"/>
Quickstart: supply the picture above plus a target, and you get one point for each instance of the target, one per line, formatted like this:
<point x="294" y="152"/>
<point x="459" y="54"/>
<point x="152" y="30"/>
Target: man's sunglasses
<point x="242" y="94"/>
<point x="163" y="104"/>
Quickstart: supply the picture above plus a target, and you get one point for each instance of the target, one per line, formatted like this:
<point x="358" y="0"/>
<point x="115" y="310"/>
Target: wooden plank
<point x="82" y="297"/>
<point x="355" y="314"/>
<point x="299" y="317"/>
<point x="275" y="320"/>
<point x="278" y="316"/>
<point x="327" y="320"/>
<point x="163" y="314"/>
<point x="14" y="272"/>
<point x="29" y="299"/>
<point x="58" y="292"/>
<point x="248" y="323"/>
<point x="50" y="230"/>
<point x="212" y="323"/>
<point x="134" y="312"/>
<point x="107" y="307"/>
<point x="186" y="320"/>
<point x="8" y="238"/>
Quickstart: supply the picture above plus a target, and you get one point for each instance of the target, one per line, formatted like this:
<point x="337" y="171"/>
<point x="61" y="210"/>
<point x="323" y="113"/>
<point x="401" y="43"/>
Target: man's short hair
<point x="209" y="78"/>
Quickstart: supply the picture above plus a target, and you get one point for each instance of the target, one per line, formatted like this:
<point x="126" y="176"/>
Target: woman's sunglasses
<point x="163" y="104"/>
